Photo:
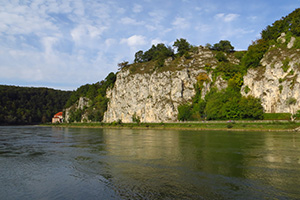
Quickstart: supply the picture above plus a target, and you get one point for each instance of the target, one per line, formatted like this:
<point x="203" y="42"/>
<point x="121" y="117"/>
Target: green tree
<point x="182" y="46"/>
<point x="290" y="23"/>
<point x="138" y="57"/>
<point x="251" y="108"/>
<point x="184" y="112"/>
<point x="223" y="45"/>
<point x="156" y="52"/>
<point x="255" y="53"/>
<point x="122" y="65"/>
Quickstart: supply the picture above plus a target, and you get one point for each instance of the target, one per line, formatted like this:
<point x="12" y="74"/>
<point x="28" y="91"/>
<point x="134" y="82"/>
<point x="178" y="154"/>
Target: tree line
<point x="27" y="105"/>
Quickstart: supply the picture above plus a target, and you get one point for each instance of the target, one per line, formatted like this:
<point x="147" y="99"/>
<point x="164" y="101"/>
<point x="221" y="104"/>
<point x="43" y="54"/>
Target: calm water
<point x="66" y="163"/>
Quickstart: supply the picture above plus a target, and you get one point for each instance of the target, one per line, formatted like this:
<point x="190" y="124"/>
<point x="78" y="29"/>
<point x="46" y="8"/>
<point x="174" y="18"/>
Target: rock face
<point x="80" y="104"/>
<point x="154" y="97"/>
<point x="277" y="81"/>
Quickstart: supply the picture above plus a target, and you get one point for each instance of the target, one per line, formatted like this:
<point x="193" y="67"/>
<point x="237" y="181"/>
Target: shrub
<point x="221" y="57"/>
<point x="247" y="89"/>
<point x="291" y="101"/>
<point x="277" y="116"/>
<point x="184" y="112"/>
<point x="229" y="125"/>
<point x="255" y="53"/>
<point x="136" y="118"/>
<point x="285" y="64"/>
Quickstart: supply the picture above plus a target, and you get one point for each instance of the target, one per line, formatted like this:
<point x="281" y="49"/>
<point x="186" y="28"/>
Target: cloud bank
<point x="65" y="44"/>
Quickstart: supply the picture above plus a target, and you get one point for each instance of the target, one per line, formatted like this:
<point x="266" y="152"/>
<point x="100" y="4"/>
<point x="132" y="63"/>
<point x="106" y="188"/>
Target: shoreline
<point x="211" y="126"/>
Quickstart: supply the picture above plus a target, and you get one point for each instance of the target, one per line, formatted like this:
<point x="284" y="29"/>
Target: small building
<point x="58" y="118"/>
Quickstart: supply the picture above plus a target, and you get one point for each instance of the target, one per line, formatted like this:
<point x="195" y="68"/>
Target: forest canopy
<point x="24" y="105"/>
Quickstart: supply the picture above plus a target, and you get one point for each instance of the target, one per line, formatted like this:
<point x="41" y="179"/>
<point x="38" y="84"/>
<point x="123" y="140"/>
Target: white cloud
<point x="82" y="33"/>
<point x="137" y="8"/>
<point x="130" y="21"/>
<point x="48" y="44"/>
<point x="16" y="19"/>
<point x="135" y="40"/>
<point x="157" y="16"/>
<point x="227" y="18"/>
<point x="180" y="23"/>
<point x="110" y="42"/>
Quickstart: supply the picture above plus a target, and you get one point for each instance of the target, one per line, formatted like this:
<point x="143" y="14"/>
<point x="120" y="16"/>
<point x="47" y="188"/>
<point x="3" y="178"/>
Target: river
<point x="81" y="163"/>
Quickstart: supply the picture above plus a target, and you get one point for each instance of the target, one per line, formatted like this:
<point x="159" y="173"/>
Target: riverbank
<point x="211" y="125"/>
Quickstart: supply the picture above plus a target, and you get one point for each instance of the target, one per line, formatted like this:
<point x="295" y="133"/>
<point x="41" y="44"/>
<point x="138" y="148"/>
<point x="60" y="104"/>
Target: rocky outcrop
<point x="82" y="103"/>
<point x="154" y="97"/>
<point x="277" y="81"/>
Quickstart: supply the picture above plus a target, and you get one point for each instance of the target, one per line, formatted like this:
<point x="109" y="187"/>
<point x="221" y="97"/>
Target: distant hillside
<point x="24" y="105"/>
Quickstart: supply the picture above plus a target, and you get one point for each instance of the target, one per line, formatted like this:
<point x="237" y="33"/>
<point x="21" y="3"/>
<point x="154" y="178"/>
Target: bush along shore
<point x="201" y="125"/>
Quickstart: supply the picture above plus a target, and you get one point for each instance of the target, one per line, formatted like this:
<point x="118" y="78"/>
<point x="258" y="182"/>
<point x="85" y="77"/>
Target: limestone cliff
<point x="276" y="82"/>
<point x="154" y="96"/>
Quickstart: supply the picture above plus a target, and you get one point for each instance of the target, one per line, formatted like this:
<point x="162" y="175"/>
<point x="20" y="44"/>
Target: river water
<point x="75" y="163"/>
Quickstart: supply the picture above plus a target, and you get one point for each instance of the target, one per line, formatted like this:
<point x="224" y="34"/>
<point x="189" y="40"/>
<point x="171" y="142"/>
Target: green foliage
<point x="247" y="89"/>
<point x="254" y="54"/>
<point x="297" y="114"/>
<point x="138" y="57"/>
<point x="158" y="52"/>
<point x="160" y="63"/>
<point x="250" y="108"/>
<point x="223" y="45"/>
<point x="285" y="64"/>
<point x="75" y="115"/>
<point x="276" y="116"/>
<point x="136" y="118"/>
<point x="221" y="57"/>
<point x="98" y="102"/>
<point x="214" y="102"/>
<point x="280" y="87"/>
<point x="92" y="90"/>
<point x="122" y="65"/>
<point x="182" y="46"/>
<point x="184" y="112"/>
<point x="229" y="104"/>
<point x="207" y="67"/>
<point x="228" y="70"/>
<point x="290" y="23"/>
<point x="236" y="81"/>
<point x="187" y="55"/>
<point x="230" y="125"/>
<point x="224" y="104"/>
<point x="291" y="101"/>
<point x="239" y="54"/>
<point x="24" y="105"/>
<point x="297" y="43"/>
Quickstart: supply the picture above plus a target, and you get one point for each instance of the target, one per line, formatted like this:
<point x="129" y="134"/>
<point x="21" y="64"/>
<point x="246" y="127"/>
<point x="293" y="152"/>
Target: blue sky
<point x="64" y="44"/>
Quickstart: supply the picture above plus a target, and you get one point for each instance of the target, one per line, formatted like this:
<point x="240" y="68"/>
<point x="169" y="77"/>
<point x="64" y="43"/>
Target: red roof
<point x="58" y="114"/>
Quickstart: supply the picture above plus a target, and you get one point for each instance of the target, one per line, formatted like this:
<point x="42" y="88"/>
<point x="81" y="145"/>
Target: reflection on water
<point x="66" y="163"/>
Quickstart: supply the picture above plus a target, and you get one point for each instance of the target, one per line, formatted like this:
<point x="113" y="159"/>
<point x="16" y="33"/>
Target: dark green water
<point x="66" y="163"/>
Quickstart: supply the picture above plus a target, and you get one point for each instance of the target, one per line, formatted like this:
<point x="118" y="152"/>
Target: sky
<point x="64" y="44"/>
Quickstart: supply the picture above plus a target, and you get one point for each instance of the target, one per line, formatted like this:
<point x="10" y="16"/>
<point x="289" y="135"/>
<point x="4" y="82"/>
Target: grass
<point x="209" y="125"/>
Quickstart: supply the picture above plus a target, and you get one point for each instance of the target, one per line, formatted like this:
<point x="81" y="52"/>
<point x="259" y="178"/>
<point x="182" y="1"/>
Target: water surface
<point x="68" y="163"/>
